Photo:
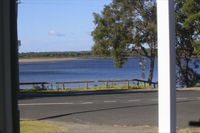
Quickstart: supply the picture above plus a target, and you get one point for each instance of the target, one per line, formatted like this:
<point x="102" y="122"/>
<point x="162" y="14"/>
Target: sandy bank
<point x="46" y="59"/>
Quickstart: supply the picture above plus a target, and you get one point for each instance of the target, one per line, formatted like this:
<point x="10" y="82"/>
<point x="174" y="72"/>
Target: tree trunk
<point x="151" y="70"/>
<point x="187" y="80"/>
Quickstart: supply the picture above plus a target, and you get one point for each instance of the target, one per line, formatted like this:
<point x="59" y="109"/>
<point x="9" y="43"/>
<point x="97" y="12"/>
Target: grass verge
<point x="102" y="87"/>
<point x="53" y="127"/>
<point x="39" y="127"/>
<point x="189" y="130"/>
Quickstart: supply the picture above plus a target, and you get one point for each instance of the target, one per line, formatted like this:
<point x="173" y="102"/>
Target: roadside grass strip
<point x="27" y="126"/>
<point x="40" y="127"/>
<point x="189" y="130"/>
<point x="94" y="88"/>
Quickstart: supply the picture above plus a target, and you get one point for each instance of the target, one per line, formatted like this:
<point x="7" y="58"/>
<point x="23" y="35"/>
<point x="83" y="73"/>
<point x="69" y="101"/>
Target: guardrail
<point x="128" y="82"/>
<point x="37" y="83"/>
<point x="72" y="82"/>
<point x="64" y="83"/>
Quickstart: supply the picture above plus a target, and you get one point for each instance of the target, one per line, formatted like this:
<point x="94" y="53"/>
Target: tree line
<point x="64" y="54"/>
<point x="56" y="54"/>
<point x="129" y="26"/>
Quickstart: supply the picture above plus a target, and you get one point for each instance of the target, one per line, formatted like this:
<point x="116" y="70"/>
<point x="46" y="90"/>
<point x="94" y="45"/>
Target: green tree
<point x="191" y="9"/>
<point x="196" y="46"/>
<point x="125" y="27"/>
<point x="129" y="26"/>
<point x="187" y="32"/>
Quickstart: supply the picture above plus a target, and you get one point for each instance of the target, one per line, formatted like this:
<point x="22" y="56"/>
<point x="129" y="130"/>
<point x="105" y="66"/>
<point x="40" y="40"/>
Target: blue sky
<point x="57" y="25"/>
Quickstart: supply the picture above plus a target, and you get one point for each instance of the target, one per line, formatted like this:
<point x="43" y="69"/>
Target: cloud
<point x="55" y="33"/>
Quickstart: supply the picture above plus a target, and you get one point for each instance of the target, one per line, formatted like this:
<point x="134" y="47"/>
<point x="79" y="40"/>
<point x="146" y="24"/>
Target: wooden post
<point x="128" y="84"/>
<point x="106" y="84"/>
<point x="87" y="85"/>
<point x="43" y="87"/>
<point x="166" y="66"/>
<point x="63" y="84"/>
<point x="51" y="85"/>
<point x="150" y="83"/>
<point x="57" y="85"/>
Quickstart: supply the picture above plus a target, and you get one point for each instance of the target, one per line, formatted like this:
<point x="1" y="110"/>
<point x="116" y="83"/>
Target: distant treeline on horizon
<point x="59" y="54"/>
<point x="66" y="54"/>
<point x="56" y="54"/>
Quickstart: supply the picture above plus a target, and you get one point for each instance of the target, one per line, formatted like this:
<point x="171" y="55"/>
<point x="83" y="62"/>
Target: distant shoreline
<point x="49" y="59"/>
<point x="45" y="59"/>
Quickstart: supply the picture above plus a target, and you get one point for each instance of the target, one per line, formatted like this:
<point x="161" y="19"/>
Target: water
<point x="82" y="69"/>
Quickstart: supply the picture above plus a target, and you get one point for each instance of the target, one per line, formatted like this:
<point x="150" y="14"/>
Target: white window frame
<point x="9" y="115"/>
<point x="166" y="66"/>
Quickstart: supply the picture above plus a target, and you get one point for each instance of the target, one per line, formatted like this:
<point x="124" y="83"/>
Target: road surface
<point x="130" y="109"/>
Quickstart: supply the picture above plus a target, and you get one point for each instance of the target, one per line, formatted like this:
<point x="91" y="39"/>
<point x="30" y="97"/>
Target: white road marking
<point x="109" y="101"/>
<point x="181" y="98"/>
<point x="86" y="103"/>
<point x="41" y="104"/>
<point x="135" y="100"/>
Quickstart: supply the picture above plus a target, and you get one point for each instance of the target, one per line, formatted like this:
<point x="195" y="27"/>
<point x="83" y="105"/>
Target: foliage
<point x="83" y="54"/>
<point x="196" y="46"/>
<point x="124" y="27"/>
<point x="191" y="8"/>
<point x="127" y="26"/>
<point x="187" y="33"/>
<point x="55" y="54"/>
<point x="37" y="87"/>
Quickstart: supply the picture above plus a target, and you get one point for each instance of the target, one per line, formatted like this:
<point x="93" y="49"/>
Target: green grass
<point x="54" y="127"/>
<point x="38" y="127"/>
<point x="122" y="86"/>
<point x="101" y="87"/>
<point x="195" y="87"/>
<point x="189" y="130"/>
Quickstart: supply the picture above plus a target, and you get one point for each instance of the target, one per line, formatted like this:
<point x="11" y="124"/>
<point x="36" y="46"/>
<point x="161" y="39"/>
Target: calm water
<point x="82" y="69"/>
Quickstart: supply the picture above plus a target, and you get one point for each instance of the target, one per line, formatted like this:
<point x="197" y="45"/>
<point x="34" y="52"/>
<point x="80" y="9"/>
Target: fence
<point x="64" y="84"/>
<point x="73" y="82"/>
<point x="42" y="84"/>
<point x="137" y="81"/>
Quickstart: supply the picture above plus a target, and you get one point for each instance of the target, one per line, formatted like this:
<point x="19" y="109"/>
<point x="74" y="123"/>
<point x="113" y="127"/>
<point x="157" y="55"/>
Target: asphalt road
<point x="130" y="109"/>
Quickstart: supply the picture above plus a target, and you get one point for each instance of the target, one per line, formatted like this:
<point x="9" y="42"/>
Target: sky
<point x="57" y="25"/>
